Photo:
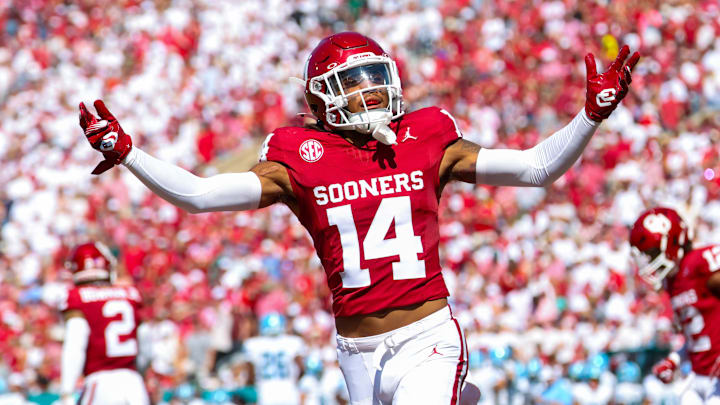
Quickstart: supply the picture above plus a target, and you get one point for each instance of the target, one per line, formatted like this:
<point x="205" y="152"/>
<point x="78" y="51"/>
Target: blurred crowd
<point x="541" y="279"/>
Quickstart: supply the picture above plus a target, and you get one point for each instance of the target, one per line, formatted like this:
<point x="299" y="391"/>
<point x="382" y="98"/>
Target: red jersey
<point x="372" y="211"/>
<point x="112" y="313"/>
<point x="696" y="308"/>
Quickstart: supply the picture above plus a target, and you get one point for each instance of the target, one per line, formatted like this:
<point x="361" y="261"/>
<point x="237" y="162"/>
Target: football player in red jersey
<point x="100" y="332"/>
<point x="662" y="244"/>
<point x="365" y="182"/>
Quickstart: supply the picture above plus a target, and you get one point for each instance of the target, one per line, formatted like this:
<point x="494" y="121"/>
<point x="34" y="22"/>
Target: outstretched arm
<point x="548" y="160"/>
<point x="222" y="192"/>
<point x="536" y="167"/>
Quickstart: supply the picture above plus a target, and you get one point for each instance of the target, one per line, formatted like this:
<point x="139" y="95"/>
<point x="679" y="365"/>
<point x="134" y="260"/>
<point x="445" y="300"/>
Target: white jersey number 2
<point x="406" y="244"/>
<point x="121" y="327"/>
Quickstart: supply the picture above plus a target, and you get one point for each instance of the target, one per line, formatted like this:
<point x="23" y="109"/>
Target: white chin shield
<point x="374" y="122"/>
<point x="654" y="271"/>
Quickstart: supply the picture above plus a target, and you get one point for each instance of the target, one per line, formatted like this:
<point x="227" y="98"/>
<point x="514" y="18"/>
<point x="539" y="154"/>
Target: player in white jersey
<point x="310" y="383"/>
<point x="629" y="390"/>
<point x="275" y="356"/>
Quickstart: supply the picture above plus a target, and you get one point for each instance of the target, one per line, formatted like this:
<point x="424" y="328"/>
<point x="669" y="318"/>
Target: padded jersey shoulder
<point x="283" y="143"/>
<point x="434" y="123"/>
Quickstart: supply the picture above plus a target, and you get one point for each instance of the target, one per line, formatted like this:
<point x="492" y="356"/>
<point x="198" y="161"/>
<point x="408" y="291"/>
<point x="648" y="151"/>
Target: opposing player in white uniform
<point x="275" y="356"/>
<point x="629" y="390"/>
<point x="100" y="342"/>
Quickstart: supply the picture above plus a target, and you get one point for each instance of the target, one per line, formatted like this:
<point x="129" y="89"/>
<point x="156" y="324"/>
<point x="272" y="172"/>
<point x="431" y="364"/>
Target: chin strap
<point x="375" y="123"/>
<point x="384" y="134"/>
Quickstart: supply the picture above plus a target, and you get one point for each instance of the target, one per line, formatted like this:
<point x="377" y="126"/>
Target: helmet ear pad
<point x="316" y="104"/>
<point x="313" y="103"/>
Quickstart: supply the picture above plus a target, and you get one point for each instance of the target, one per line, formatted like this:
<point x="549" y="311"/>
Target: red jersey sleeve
<point x="442" y="125"/>
<point x="706" y="261"/>
<point x="72" y="301"/>
<point x="277" y="147"/>
<point x="296" y="148"/>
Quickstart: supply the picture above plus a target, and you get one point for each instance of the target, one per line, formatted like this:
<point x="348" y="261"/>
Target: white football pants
<point x="114" y="387"/>
<point x="421" y="363"/>
<point x="700" y="390"/>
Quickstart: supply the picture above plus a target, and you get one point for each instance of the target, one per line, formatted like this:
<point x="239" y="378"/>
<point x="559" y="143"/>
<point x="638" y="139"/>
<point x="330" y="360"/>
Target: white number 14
<point x="406" y="244"/>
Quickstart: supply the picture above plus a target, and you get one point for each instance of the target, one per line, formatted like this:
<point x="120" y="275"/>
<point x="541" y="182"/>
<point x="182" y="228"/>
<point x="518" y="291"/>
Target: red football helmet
<point x="658" y="240"/>
<point x="351" y="60"/>
<point x="91" y="262"/>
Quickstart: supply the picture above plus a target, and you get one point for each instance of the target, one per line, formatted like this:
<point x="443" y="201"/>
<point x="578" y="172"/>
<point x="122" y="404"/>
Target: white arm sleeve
<point x="77" y="332"/>
<point x="222" y="192"/>
<point x="542" y="164"/>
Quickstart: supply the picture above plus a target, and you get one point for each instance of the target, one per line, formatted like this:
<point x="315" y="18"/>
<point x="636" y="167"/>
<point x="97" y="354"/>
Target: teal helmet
<point x="534" y="367"/>
<point x="313" y="365"/>
<point x="600" y="360"/>
<point x="577" y="370"/>
<point x="499" y="355"/>
<point x="629" y="372"/>
<point x="272" y="324"/>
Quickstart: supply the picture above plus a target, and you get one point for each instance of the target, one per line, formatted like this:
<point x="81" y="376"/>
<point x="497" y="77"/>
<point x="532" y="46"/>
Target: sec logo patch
<point x="311" y="151"/>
